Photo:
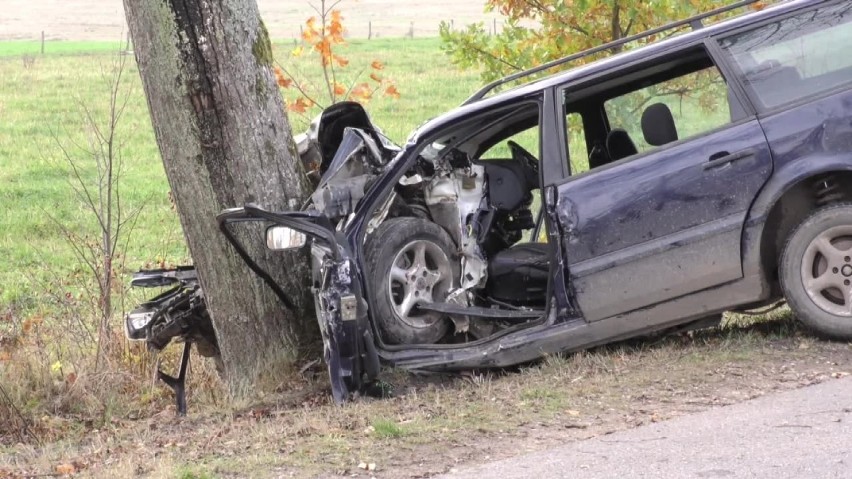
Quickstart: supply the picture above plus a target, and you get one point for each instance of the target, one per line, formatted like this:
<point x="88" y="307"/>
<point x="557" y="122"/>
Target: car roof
<point x="533" y="88"/>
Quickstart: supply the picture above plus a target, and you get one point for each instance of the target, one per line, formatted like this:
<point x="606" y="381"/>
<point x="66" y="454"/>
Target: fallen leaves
<point x="66" y="469"/>
<point x="367" y="466"/>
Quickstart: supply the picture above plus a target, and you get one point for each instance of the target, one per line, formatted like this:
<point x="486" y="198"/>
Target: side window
<point x="674" y="109"/>
<point x="528" y="139"/>
<point x="578" y="151"/>
<point x="796" y="57"/>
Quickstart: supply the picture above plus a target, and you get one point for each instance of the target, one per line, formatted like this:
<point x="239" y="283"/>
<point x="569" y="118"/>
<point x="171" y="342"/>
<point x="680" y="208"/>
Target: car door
<point x="668" y="220"/>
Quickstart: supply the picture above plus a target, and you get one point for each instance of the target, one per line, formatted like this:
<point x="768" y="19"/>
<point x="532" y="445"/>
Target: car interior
<point x="518" y="274"/>
<point x="635" y="113"/>
<point x="518" y="262"/>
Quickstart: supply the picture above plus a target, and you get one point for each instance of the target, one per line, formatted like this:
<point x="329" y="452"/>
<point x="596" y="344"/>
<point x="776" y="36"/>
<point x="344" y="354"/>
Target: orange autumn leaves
<point x="323" y="36"/>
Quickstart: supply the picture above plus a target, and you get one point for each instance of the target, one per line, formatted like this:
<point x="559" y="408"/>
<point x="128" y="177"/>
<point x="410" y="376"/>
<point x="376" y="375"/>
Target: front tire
<point x="816" y="271"/>
<point x="410" y="261"/>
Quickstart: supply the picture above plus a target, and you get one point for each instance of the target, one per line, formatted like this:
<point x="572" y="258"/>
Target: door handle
<point x="723" y="158"/>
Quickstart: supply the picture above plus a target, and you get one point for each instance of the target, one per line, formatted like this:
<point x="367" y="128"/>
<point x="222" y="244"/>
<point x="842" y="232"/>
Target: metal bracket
<point x="178" y="384"/>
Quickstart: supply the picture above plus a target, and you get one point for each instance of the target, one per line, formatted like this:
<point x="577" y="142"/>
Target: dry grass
<point x="436" y="422"/>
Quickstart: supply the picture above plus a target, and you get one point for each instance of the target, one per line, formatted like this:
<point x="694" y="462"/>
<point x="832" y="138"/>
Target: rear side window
<point x="698" y="102"/>
<point x="796" y="57"/>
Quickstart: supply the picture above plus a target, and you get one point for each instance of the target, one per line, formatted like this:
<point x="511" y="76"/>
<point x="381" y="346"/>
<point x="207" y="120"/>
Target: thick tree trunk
<point x="225" y="141"/>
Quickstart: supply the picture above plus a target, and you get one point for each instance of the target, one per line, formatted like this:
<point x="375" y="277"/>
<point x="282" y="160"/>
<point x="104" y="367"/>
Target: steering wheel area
<point x="525" y="158"/>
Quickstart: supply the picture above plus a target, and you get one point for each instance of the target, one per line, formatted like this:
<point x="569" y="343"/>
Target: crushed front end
<point x="348" y="347"/>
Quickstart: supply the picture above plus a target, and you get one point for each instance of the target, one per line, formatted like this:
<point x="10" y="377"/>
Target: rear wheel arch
<point x="790" y="205"/>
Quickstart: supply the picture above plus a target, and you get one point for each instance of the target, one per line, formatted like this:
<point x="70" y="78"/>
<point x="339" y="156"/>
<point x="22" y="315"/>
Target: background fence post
<point x="42" y="42"/>
<point x="411" y="31"/>
<point x="370" y="30"/>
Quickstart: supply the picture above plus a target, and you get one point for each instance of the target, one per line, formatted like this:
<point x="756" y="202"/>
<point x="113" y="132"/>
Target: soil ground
<point x="438" y="423"/>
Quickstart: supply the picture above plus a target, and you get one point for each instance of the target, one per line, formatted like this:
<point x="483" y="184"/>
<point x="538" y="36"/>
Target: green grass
<point x="42" y="100"/>
<point x="187" y="472"/>
<point x="385" y="428"/>
<point x="13" y="48"/>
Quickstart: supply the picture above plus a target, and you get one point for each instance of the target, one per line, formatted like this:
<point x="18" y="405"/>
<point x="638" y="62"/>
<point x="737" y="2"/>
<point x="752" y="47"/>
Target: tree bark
<point x="219" y="121"/>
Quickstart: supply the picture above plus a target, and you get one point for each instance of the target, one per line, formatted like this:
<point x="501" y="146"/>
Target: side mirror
<point x="283" y="238"/>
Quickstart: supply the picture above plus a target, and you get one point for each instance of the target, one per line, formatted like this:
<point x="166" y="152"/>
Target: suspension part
<point x="827" y="191"/>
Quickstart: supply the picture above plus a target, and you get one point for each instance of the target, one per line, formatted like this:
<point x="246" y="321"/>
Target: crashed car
<point x="591" y="205"/>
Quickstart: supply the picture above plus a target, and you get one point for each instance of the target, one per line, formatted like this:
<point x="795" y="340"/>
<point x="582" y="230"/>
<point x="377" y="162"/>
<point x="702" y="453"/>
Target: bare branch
<point x="298" y="87"/>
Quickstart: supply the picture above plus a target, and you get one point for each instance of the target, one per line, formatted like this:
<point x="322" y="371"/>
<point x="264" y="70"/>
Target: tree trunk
<point x="225" y="140"/>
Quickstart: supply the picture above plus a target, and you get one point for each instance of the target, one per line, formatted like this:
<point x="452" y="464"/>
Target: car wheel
<point x="816" y="271"/>
<point x="410" y="261"/>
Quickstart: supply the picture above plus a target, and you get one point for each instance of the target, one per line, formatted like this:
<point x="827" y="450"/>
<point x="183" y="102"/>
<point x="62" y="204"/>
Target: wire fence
<point x="366" y="31"/>
<point x="47" y="42"/>
<point x="406" y="29"/>
<point x="61" y="41"/>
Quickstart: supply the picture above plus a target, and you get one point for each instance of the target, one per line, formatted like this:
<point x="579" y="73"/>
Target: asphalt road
<point x="806" y="433"/>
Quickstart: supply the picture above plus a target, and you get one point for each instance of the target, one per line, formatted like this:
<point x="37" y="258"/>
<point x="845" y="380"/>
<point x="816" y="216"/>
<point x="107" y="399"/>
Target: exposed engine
<point x="484" y="206"/>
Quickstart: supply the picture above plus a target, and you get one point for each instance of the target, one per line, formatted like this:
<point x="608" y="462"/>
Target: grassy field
<point x="40" y="108"/>
<point x="115" y="423"/>
<point x="41" y="114"/>
<point x="17" y="48"/>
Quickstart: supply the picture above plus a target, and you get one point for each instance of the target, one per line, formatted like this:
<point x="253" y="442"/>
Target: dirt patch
<point x="104" y="19"/>
<point x="440" y="422"/>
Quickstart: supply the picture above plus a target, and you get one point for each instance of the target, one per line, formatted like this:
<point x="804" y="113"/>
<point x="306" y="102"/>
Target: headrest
<point x="658" y="125"/>
<point x="619" y="144"/>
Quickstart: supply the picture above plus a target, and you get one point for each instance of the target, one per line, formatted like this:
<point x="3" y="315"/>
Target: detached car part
<point x="179" y="314"/>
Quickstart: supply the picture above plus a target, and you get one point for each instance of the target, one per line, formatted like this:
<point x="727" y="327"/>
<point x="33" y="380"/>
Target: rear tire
<point x="816" y="271"/>
<point x="410" y="261"/>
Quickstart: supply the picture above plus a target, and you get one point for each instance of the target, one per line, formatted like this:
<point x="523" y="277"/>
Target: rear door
<point x="666" y="221"/>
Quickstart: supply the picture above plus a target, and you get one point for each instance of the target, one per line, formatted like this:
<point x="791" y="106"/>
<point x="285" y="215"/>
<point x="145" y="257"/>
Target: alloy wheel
<point x="420" y="273"/>
<point x="827" y="270"/>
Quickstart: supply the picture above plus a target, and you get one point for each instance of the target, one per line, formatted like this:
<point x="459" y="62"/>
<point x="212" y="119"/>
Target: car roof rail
<point x="695" y="22"/>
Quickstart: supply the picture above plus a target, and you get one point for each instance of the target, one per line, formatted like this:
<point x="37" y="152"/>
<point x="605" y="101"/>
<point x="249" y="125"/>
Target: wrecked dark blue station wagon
<point x="640" y="212"/>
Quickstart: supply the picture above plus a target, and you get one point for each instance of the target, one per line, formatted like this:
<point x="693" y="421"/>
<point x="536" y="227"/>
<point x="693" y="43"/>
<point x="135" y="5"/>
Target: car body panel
<point x="807" y="141"/>
<point x="663" y="215"/>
